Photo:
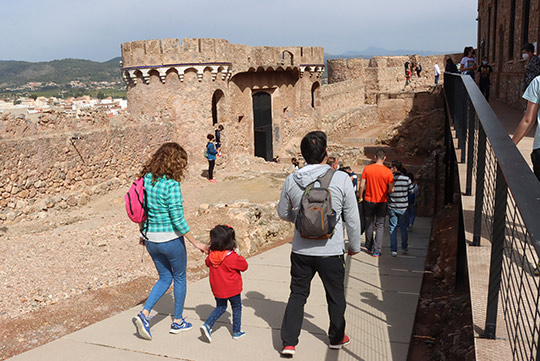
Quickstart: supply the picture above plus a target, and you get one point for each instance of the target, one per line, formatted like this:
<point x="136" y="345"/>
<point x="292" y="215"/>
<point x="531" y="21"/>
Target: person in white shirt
<point x="437" y="72"/>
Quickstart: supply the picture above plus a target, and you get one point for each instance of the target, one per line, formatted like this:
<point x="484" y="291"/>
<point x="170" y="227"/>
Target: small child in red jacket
<point x="225" y="279"/>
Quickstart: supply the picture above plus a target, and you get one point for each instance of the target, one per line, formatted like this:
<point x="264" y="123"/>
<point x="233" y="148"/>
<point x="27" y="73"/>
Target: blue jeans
<point x="221" y="306"/>
<point x="412" y="214"/>
<point x="401" y="218"/>
<point x="170" y="261"/>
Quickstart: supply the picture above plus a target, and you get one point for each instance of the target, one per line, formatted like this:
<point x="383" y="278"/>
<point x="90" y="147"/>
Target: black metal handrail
<point x="507" y="209"/>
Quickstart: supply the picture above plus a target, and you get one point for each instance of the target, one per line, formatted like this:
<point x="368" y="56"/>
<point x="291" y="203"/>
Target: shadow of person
<point x="272" y="313"/>
<point x="204" y="311"/>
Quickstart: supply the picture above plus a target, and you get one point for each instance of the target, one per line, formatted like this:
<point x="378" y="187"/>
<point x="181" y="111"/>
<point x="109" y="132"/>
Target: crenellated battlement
<point x="217" y="55"/>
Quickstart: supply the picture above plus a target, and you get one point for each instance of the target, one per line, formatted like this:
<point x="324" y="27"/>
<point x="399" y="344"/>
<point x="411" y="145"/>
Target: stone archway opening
<point x="262" y="125"/>
<point x="315" y="94"/>
<point x="217" y="101"/>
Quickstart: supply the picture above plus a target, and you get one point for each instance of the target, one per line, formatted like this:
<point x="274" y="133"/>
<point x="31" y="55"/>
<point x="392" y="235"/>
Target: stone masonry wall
<point x="193" y="51"/>
<point x="386" y="73"/>
<point x="49" y="170"/>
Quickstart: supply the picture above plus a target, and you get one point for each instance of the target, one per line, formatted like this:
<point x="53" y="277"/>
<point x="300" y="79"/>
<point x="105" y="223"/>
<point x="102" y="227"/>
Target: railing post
<point x="471" y="120"/>
<point x="497" y="247"/>
<point x="448" y="159"/>
<point x="479" y="196"/>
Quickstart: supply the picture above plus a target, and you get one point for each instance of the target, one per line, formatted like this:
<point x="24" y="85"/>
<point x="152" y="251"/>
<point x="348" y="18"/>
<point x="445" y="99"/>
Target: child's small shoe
<point x="237" y="335"/>
<point x="180" y="327"/>
<point x="206" y="333"/>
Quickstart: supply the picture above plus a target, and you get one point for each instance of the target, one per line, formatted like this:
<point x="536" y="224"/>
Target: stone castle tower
<point x="263" y="96"/>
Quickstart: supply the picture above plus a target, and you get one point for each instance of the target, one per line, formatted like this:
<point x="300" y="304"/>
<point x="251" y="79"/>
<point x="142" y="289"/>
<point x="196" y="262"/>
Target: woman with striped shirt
<point x="167" y="229"/>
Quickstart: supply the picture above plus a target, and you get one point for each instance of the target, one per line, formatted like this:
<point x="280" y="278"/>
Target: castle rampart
<point x="261" y="95"/>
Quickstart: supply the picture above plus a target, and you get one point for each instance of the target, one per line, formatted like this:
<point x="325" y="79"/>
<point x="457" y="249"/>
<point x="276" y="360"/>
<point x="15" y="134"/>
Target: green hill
<point x="15" y="73"/>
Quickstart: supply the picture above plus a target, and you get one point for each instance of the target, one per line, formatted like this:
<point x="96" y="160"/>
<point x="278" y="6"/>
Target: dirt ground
<point x="74" y="268"/>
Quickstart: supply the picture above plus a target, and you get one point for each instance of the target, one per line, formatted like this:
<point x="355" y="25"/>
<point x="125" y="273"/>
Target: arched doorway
<point x="262" y="125"/>
<point x="314" y="94"/>
<point x="216" y="100"/>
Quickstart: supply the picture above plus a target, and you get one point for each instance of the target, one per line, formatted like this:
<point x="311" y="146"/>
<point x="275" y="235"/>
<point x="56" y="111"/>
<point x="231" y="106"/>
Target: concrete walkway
<point x="382" y="295"/>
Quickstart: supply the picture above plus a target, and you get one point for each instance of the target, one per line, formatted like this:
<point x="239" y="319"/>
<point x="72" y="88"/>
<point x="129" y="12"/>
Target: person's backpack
<point x="316" y="219"/>
<point x="206" y="151"/>
<point x="136" y="206"/>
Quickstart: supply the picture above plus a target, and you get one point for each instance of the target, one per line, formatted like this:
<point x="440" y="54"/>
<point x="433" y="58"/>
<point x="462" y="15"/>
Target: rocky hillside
<point x="14" y="73"/>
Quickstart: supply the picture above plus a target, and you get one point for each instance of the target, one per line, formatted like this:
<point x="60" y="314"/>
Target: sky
<point x="44" y="30"/>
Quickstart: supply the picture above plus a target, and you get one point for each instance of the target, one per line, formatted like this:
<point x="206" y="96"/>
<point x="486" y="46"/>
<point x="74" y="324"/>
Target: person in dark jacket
<point x="211" y="154"/>
<point x="450" y="66"/>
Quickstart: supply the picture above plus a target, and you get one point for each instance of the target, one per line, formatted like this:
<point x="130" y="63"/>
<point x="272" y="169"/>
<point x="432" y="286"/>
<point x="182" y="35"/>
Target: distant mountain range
<point x="61" y="72"/>
<point x="373" y="51"/>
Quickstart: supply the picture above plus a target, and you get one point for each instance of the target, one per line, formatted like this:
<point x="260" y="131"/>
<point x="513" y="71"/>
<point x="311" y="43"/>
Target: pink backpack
<point x="135" y="198"/>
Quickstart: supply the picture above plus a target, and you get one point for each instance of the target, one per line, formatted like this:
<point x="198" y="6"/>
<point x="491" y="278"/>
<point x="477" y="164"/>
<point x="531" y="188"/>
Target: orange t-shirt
<point x="377" y="178"/>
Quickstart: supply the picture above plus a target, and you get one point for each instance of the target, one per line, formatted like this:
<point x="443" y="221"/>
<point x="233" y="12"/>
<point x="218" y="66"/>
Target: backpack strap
<point x="324" y="180"/>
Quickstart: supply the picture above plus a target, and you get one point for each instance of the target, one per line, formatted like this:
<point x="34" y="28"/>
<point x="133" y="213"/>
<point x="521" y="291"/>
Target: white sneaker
<point x="394" y="254"/>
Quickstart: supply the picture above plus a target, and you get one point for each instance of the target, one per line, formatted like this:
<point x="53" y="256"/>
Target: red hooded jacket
<point x="225" y="267"/>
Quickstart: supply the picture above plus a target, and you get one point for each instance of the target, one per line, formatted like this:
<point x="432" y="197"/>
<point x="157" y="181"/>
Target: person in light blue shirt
<point x="532" y="95"/>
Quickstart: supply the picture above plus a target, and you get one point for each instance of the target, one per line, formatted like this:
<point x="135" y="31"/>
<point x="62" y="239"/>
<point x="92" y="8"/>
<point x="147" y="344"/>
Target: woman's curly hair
<point x="170" y="160"/>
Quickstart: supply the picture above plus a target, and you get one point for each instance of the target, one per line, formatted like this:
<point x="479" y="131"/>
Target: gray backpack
<point x="316" y="219"/>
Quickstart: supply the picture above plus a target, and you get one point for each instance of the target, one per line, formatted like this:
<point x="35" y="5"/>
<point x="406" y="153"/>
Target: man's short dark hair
<point x="380" y="154"/>
<point x="528" y="47"/>
<point x="397" y="164"/>
<point x="313" y="147"/>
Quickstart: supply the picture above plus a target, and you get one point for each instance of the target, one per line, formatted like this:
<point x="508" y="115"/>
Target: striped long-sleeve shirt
<point x="399" y="199"/>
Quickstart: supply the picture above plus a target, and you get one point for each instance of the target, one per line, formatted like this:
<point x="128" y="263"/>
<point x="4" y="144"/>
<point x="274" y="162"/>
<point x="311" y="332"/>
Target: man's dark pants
<point x="331" y="270"/>
<point x="375" y="215"/>
<point x="535" y="158"/>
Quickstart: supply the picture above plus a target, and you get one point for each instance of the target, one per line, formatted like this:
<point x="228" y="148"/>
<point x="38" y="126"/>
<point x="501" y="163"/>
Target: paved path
<point x="382" y="295"/>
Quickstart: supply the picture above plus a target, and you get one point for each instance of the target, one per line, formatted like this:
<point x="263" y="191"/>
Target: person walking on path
<point x="485" y="71"/>
<point x="532" y="69"/>
<point x="377" y="181"/>
<point x="532" y="95"/>
<point x="322" y="256"/>
<point x="225" y="279"/>
<point x="437" y="72"/>
<point x="211" y="153"/>
<point x="398" y="202"/>
<point x="413" y="201"/>
<point x="167" y="229"/>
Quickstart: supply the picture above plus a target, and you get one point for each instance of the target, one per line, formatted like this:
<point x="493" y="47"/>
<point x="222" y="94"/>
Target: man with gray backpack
<point x="317" y="199"/>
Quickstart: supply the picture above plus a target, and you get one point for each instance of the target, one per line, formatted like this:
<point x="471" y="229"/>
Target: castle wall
<point x="386" y="73"/>
<point x="179" y="80"/>
<point x="503" y="50"/>
<point x="46" y="170"/>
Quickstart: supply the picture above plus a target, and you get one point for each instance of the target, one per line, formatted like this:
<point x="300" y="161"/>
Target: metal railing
<point x="506" y="212"/>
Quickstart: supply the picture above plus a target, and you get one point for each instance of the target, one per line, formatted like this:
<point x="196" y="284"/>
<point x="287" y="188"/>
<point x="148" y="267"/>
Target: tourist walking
<point x="225" y="279"/>
<point x="167" y="229"/>
<point x="211" y="153"/>
<point x="413" y="201"/>
<point x="468" y="62"/>
<point x="437" y="72"/>
<point x="377" y="181"/>
<point x="418" y="69"/>
<point x="532" y="116"/>
<point x="322" y="256"/>
<point x="398" y="202"/>
<point x="295" y="163"/>
<point x="532" y="69"/>
<point x="450" y="66"/>
<point x="333" y="162"/>
<point x="485" y="71"/>
<point x="217" y="132"/>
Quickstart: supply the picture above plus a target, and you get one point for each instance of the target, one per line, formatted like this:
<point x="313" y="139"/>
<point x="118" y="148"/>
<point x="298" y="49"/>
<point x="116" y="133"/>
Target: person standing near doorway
<point x="211" y="153"/>
<point x="378" y="181"/>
